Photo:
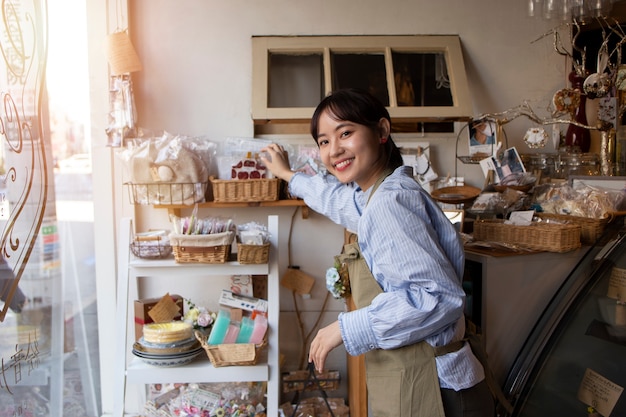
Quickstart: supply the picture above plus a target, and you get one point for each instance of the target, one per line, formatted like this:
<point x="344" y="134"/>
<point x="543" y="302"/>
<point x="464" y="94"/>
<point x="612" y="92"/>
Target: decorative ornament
<point x="597" y="85"/>
<point x="566" y="100"/>
<point x="536" y="137"/>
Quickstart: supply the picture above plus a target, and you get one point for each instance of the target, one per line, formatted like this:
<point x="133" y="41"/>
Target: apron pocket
<point x="384" y="392"/>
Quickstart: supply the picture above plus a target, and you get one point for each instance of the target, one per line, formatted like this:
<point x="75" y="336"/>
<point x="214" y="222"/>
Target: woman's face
<point x="350" y="151"/>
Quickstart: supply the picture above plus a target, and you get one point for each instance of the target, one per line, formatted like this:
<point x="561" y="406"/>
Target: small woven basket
<point x="550" y="237"/>
<point x="211" y="249"/>
<point x="231" y="354"/>
<point x="253" y="254"/>
<point x="237" y="191"/>
<point x="590" y="228"/>
<point x="146" y="250"/>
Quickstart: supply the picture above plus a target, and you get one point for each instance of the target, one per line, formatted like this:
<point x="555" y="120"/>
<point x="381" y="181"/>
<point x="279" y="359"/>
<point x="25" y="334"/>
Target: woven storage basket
<point x="146" y="250"/>
<point x="231" y="354"/>
<point x="253" y="254"/>
<point x="235" y="191"/>
<point x="590" y="228"/>
<point x="211" y="249"/>
<point x="550" y="237"/>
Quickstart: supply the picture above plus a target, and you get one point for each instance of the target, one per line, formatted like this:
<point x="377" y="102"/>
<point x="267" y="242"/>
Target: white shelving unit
<point x="131" y="370"/>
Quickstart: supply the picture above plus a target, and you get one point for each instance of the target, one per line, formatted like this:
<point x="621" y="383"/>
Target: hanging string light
<point x="581" y="11"/>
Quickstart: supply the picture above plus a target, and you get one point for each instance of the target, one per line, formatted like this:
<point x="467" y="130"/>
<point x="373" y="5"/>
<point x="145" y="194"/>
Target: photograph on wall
<point x="482" y="136"/>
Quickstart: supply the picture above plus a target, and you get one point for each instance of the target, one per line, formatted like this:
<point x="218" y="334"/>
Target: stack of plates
<point x="167" y="354"/>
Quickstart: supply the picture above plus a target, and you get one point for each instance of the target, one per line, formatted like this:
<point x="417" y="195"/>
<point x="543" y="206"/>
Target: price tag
<point x="617" y="284"/>
<point x="598" y="392"/>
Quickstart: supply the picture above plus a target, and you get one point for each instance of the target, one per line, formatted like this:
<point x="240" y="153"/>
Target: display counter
<point x="510" y="292"/>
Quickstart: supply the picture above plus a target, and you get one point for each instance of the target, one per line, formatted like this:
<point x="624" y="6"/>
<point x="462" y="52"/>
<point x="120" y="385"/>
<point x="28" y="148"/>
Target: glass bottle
<point x="576" y="135"/>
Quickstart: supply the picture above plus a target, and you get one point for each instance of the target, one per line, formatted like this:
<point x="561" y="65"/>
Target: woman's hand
<point x="326" y="340"/>
<point x="275" y="158"/>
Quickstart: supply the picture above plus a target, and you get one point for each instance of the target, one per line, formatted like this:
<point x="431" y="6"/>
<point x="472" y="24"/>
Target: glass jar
<point x="590" y="164"/>
<point x="543" y="162"/>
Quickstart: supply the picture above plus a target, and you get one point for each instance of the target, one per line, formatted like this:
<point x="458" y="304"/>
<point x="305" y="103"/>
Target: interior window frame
<point x="449" y="45"/>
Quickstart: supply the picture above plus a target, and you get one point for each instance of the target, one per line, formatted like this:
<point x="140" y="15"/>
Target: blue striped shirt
<point x="416" y="256"/>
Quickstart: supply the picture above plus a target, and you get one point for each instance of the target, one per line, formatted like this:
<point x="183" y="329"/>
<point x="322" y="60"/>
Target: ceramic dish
<point x="456" y="194"/>
<point x="168" y="360"/>
<point x="166" y="350"/>
<point x="178" y="344"/>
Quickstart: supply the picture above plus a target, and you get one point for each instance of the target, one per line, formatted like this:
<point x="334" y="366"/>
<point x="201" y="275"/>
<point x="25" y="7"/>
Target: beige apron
<point x="401" y="382"/>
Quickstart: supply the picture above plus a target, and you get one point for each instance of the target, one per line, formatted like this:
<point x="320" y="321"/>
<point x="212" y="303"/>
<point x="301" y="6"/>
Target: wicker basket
<point x="590" y="228"/>
<point x="238" y="191"/>
<point x="550" y="237"/>
<point x="210" y="249"/>
<point x="167" y="193"/>
<point x="145" y="250"/>
<point x="253" y="254"/>
<point x="231" y="354"/>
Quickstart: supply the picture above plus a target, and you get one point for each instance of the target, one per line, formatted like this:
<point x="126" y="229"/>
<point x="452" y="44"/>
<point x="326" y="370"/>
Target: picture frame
<point x="617" y="183"/>
<point x="482" y="136"/>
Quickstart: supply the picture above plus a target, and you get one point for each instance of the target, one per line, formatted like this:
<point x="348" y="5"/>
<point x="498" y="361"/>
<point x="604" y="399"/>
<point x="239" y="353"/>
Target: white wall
<point x="197" y="81"/>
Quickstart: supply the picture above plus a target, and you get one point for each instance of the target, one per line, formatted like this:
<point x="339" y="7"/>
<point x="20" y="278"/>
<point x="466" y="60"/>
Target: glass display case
<point x="574" y="363"/>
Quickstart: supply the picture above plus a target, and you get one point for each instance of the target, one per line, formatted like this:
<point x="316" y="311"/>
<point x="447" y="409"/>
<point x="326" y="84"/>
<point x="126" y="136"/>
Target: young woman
<point x="405" y="270"/>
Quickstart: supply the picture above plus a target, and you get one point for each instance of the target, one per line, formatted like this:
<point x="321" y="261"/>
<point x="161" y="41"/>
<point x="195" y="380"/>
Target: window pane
<point x="364" y="71"/>
<point x="295" y="80"/>
<point x="421" y="79"/>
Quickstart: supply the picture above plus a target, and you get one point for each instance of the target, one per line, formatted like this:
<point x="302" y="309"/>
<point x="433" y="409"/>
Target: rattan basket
<point x="231" y="354"/>
<point x="550" y="237"/>
<point x="253" y="254"/>
<point x="236" y="191"/>
<point x="211" y="249"/>
<point x="590" y="228"/>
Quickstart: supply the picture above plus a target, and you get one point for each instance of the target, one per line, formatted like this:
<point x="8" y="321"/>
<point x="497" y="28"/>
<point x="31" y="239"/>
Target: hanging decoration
<point x="123" y="61"/>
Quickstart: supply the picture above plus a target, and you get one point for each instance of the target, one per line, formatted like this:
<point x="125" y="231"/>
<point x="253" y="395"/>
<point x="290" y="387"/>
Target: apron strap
<point x="449" y="348"/>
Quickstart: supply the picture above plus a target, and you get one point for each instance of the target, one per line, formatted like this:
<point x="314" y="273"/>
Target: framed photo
<point x="482" y="136"/>
<point x="617" y="183"/>
<point x="510" y="163"/>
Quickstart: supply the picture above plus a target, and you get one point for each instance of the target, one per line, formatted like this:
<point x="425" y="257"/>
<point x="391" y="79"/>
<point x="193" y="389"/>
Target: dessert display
<point x="170" y="332"/>
<point x="167" y="344"/>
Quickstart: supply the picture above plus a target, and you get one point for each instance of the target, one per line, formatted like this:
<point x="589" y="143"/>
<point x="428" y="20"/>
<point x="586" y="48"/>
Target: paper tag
<point x="617" y="284"/>
<point x="165" y="310"/>
<point x="598" y="392"/>
<point x="297" y="281"/>
<point x="521" y="218"/>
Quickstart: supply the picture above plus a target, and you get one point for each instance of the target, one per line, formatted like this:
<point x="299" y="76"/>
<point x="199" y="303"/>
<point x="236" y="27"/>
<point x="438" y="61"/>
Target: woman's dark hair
<point x="358" y="106"/>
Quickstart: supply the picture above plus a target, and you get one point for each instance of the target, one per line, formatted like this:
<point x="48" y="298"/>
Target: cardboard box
<point x="143" y="307"/>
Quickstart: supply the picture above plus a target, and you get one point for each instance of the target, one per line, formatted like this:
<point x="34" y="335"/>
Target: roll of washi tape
<point x="232" y="332"/>
<point x="260" y="327"/>
<point x="220" y="327"/>
<point x="247" y="325"/>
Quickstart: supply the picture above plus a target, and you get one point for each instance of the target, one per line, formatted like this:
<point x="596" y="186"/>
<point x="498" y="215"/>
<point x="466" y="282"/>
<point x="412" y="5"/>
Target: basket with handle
<point x="211" y="248"/>
<point x="549" y="237"/>
<point x="250" y="190"/>
<point x="231" y="354"/>
<point x="253" y="254"/>
<point x="590" y="228"/>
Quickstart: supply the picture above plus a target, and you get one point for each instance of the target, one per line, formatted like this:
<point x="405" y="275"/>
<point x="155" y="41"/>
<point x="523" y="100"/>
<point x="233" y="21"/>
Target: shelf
<point x="176" y="208"/>
<point x="162" y="267"/>
<point x="132" y="370"/>
<point x="200" y="370"/>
